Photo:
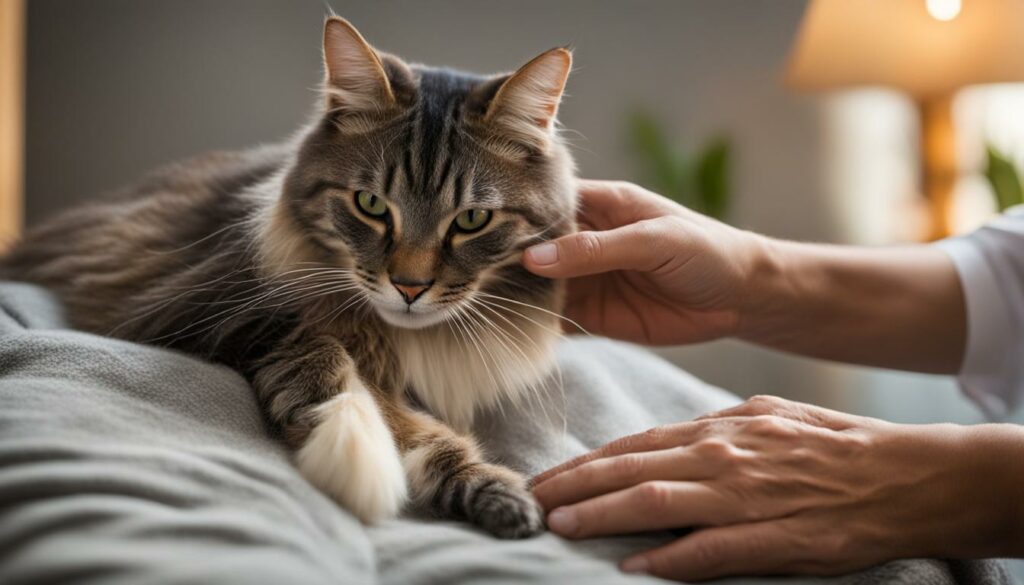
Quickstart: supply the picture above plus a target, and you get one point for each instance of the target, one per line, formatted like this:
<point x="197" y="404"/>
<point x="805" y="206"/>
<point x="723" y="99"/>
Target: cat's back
<point x="105" y="252"/>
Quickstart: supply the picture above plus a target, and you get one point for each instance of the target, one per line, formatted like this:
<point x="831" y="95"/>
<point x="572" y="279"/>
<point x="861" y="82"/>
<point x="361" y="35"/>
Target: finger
<point x="612" y="474"/>
<point x="797" y="411"/>
<point x="654" y="439"/>
<point x="638" y="246"/>
<point x="762" y="548"/>
<point x="614" y="203"/>
<point x="654" y="505"/>
<point x="604" y="203"/>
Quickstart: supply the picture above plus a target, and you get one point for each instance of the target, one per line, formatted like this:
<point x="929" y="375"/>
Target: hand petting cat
<point x="773" y="486"/>
<point x="644" y="268"/>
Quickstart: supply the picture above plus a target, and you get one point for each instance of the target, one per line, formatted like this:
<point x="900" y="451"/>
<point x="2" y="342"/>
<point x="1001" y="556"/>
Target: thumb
<point x="635" y="246"/>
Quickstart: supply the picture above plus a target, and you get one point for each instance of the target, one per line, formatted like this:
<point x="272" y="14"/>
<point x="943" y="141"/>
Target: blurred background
<point x="696" y="99"/>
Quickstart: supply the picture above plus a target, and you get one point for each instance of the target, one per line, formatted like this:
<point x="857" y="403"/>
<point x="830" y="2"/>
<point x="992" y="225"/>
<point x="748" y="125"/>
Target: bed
<point x="123" y="463"/>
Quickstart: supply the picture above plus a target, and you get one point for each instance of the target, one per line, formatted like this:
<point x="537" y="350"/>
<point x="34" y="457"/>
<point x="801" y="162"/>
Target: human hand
<point x="648" y="270"/>
<point x="778" y="487"/>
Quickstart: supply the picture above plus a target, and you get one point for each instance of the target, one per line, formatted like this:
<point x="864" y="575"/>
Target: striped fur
<point x="263" y="260"/>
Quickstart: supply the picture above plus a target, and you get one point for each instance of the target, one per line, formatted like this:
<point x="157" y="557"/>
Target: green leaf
<point x="1003" y="177"/>
<point x="701" y="184"/>
<point x="666" y="169"/>
<point x="711" y="177"/>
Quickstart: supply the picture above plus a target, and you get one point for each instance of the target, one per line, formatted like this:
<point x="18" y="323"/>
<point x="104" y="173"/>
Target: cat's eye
<point x="472" y="220"/>
<point x="371" y="204"/>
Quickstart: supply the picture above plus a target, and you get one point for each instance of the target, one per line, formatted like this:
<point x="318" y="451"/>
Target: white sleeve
<point x="990" y="262"/>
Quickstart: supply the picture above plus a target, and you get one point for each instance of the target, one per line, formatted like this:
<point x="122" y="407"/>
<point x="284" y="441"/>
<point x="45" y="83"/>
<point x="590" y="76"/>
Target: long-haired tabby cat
<point x="359" y="275"/>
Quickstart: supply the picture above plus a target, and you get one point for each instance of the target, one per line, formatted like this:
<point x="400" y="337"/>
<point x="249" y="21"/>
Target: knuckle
<point x="653" y="436"/>
<point x="763" y="403"/>
<point x="619" y="446"/>
<point x="670" y="224"/>
<point x="654" y="495"/>
<point x="716" y="449"/>
<point x="707" y="553"/>
<point x="624" y="188"/>
<point x="628" y="466"/>
<point x="853" y="445"/>
<point x="768" y="425"/>
<point x="649" y="231"/>
<point x="588" y="246"/>
<point x="584" y="473"/>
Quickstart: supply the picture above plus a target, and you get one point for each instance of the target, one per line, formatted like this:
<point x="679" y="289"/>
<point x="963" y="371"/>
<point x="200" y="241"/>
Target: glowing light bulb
<point x="944" y="10"/>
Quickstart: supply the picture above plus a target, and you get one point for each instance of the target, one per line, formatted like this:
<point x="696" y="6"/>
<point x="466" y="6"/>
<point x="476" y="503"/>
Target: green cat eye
<point x="472" y="220"/>
<point x="370" y="204"/>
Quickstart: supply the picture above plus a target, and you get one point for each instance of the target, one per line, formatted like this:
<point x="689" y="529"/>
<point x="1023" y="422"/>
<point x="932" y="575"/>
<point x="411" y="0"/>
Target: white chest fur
<point x="458" y="371"/>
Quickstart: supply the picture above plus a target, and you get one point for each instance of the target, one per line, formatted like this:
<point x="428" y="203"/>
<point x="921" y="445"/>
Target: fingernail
<point x="636" y="565"/>
<point x="543" y="254"/>
<point x="563" y="521"/>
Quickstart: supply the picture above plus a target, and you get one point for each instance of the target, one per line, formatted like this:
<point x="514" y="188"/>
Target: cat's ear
<point x="356" y="80"/>
<point x="526" y="102"/>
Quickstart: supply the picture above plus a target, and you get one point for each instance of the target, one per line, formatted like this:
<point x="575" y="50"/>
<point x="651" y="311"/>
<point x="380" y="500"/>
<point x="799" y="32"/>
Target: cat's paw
<point x="351" y="456"/>
<point x="499" y="502"/>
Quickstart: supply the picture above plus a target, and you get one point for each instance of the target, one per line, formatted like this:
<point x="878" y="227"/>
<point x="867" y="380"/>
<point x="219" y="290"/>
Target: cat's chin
<point x="411" y="320"/>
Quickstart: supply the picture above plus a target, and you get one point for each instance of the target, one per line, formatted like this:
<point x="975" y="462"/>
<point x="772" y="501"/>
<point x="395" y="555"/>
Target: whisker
<point x="234" y="311"/>
<point x="558" y="370"/>
<point x="541" y="309"/>
<point x="532" y="390"/>
<point x="475" y="342"/>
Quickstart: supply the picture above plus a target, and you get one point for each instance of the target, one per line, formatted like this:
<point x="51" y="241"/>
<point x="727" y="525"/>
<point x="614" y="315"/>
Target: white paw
<point x="351" y="456"/>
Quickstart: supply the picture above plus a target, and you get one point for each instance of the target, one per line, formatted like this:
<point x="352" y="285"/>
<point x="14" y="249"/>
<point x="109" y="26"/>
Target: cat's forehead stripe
<point x="457" y="189"/>
<point x="389" y="178"/>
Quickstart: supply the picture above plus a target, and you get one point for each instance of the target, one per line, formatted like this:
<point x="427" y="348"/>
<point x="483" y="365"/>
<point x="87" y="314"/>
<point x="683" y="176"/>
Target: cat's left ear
<point x="356" y="80"/>
<point x="526" y="103"/>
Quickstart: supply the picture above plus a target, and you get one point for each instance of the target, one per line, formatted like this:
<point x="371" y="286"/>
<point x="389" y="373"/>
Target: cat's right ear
<point x="523" y="105"/>
<point x="356" y="79"/>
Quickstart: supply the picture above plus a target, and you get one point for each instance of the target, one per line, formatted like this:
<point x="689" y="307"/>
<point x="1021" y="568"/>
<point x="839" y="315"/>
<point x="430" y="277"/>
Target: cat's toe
<point x="506" y="511"/>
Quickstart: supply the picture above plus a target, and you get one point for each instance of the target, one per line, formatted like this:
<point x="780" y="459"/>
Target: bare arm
<point x="647" y="270"/>
<point x="898" y="308"/>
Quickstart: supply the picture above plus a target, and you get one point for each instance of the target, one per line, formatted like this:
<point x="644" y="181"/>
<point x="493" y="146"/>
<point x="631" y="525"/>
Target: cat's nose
<point x="410" y="289"/>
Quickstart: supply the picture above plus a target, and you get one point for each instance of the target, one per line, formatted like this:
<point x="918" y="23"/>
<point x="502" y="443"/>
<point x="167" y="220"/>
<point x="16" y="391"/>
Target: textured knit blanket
<point x="122" y="463"/>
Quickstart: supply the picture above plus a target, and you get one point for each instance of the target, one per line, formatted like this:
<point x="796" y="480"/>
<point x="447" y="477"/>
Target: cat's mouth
<point x="411" y="316"/>
<point x="417" y="310"/>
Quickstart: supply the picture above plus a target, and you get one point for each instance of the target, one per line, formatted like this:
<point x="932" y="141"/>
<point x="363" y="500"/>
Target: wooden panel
<point x="12" y="92"/>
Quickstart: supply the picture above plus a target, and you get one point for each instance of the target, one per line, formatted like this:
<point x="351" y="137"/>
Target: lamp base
<point x="938" y="157"/>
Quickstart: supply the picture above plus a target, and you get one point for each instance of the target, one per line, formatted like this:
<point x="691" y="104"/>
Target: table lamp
<point x="926" y="48"/>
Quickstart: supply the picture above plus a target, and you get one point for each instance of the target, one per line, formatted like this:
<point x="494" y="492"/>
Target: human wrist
<point x="995" y="470"/>
<point x="767" y="290"/>
<point x="967" y="492"/>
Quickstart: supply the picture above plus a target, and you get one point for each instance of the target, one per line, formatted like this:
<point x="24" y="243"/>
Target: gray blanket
<point x="121" y="463"/>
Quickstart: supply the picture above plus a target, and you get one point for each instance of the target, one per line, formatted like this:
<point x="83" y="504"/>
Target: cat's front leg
<point x="449" y="477"/>
<point x="311" y="390"/>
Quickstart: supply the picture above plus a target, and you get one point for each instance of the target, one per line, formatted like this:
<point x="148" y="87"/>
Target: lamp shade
<point x="906" y="44"/>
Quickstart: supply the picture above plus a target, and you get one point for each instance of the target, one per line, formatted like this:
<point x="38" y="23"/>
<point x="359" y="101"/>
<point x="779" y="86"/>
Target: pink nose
<point x="410" y="290"/>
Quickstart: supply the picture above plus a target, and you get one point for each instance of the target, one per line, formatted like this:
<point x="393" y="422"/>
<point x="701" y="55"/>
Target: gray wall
<point x="117" y="86"/>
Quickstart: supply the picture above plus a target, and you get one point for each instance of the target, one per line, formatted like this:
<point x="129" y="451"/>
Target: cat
<point x="364" y="275"/>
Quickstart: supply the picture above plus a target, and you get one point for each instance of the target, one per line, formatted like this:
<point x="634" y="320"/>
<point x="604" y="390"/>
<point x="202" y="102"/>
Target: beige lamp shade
<point x="903" y="44"/>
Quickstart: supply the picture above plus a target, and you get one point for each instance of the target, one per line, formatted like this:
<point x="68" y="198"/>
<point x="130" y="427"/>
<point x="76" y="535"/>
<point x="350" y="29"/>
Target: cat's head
<point x="428" y="183"/>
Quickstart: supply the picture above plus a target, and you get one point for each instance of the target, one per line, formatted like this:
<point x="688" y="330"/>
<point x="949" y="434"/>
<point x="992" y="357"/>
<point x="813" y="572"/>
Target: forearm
<point x="898" y="308"/>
